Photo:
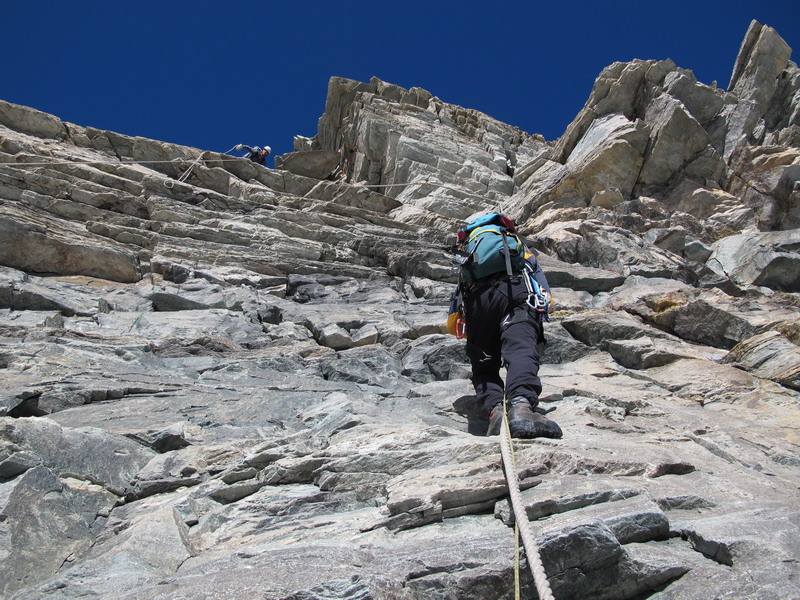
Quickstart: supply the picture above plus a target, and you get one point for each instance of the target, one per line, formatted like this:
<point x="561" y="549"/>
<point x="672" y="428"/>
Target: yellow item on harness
<point x="452" y="323"/>
<point x="456" y="325"/>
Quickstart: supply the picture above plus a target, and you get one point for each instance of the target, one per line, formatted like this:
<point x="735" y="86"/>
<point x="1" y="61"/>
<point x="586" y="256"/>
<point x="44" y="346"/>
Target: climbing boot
<point x="525" y="422"/>
<point x="495" y="419"/>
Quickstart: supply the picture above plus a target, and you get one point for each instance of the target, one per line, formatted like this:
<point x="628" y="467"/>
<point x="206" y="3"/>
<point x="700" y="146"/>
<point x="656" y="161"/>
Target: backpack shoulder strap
<point x="507" y="252"/>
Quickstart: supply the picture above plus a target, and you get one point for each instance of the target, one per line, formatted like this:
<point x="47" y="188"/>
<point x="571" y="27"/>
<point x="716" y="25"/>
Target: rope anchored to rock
<point x="201" y="158"/>
<point x="520" y="516"/>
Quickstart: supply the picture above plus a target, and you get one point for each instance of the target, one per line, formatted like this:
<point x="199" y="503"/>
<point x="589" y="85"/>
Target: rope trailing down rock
<point x="521" y="517"/>
<point x="185" y="175"/>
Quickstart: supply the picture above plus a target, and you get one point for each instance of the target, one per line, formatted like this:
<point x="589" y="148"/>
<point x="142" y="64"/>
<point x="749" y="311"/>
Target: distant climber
<point x="509" y="167"/>
<point x="257" y="154"/>
<point x="500" y="305"/>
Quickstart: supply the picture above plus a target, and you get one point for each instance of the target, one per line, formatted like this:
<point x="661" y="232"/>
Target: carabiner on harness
<point x="538" y="299"/>
<point x="461" y="327"/>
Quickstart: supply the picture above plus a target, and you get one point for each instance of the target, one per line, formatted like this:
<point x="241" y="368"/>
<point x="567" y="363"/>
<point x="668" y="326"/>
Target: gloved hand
<point x="238" y="146"/>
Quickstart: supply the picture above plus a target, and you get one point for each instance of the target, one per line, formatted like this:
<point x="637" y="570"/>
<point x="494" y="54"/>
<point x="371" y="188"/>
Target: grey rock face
<point x="768" y="259"/>
<point x="720" y="147"/>
<point x="240" y="384"/>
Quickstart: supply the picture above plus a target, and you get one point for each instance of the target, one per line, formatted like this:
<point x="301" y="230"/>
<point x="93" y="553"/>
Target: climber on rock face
<point x="501" y="304"/>
<point x="257" y="154"/>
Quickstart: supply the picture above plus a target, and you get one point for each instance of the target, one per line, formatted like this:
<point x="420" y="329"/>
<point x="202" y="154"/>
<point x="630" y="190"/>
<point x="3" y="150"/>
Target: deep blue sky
<point x="213" y="74"/>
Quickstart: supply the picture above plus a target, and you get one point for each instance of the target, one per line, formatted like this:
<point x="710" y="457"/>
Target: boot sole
<point x="531" y="429"/>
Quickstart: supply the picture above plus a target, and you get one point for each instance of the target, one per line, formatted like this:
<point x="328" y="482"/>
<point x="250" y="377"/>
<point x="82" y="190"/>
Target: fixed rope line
<point x="108" y="162"/>
<point x="188" y="171"/>
<point x="433" y="184"/>
<point x="520" y="516"/>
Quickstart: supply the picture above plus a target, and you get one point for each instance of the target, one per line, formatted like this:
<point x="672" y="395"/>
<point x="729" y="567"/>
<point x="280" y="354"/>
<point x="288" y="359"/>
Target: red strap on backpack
<point x="507" y="223"/>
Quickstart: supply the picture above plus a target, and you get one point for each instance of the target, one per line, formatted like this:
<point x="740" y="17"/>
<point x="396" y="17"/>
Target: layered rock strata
<point x="223" y="381"/>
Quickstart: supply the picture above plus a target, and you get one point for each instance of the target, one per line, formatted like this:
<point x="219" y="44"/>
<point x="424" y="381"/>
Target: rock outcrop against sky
<point x="227" y="381"/>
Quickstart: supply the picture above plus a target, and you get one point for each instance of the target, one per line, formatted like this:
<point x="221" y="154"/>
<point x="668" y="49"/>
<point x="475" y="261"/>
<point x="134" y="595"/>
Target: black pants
<point x="491" y="343"/>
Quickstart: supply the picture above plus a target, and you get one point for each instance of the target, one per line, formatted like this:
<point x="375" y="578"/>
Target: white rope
<point x="107" y="162"/>
<point x="188" y="171"/>
<point x="498" y="207"/>
<point x="521" y="517"/>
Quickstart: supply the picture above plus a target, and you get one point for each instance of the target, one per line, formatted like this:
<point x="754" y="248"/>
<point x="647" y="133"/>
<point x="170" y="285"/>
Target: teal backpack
<point x="487" y="246"/>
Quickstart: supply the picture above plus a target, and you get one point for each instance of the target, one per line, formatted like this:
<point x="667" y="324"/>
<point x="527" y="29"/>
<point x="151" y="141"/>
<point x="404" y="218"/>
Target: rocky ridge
<point x="225" y="381"/>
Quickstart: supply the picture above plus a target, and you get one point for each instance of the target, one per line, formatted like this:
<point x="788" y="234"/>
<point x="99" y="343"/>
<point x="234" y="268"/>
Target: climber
<point x="501" y="314"/>
<point x="256" y="154"/>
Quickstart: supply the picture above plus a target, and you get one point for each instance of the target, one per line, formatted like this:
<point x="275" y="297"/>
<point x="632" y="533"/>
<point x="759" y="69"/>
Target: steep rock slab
<point x="675" y="138"/>
<point x="440" y="160"/>
<point x="770" y="259"/>
<point x="30" y="245"/>
<point x="608" y="156"/>
<point x="714" y="318"/>
<point x="594" y="244"/>
<point x="769" y="355"/>
<point x="90" y="454"/>
<point x="47" y="520"/>
<point x="762" y="58"/>
<point x="285" y="466"/>
<point x="150" y="546"/>
<point x="149" y="237"/>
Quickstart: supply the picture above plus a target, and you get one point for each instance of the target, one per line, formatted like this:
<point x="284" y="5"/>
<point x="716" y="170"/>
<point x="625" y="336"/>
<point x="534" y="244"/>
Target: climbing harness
<point x="521" y="517"/>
